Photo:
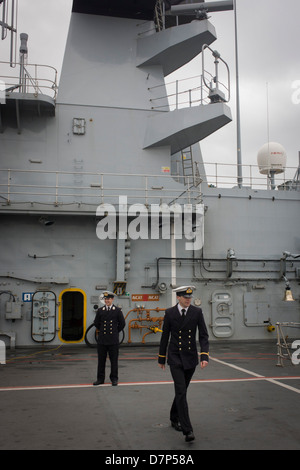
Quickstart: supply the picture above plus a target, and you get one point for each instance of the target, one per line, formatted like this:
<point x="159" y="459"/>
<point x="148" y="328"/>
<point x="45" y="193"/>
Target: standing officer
<point x="181" y="322"/>
<point x="109" y="322"/>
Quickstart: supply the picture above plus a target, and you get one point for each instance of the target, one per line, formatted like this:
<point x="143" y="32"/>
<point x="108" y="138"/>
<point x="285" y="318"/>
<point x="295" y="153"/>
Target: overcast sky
<point x="269" y="65"/>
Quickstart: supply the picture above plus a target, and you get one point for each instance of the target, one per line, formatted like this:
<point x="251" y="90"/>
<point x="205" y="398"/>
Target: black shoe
<point x="189" y="436"/>
<point x="98" y="382"/>
<point x="176" y="426"/>
<point x="114" y="383"/>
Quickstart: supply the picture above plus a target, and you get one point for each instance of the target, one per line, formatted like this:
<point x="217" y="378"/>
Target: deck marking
<point x="271" y="380"/>
<point x="255" y="377"/>
<point x="135" y="384"/>
<point x="236" y="367"/>
<point x="293" y="389"/>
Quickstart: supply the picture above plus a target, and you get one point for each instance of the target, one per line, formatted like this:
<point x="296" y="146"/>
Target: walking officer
<point x="109" y="322"/>
<point x="181" y="323"/>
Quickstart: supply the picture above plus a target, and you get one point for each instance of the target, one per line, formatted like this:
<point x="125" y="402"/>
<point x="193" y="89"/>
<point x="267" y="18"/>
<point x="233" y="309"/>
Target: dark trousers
<point x="113" y="352"/>
<point x="179" y="410"/>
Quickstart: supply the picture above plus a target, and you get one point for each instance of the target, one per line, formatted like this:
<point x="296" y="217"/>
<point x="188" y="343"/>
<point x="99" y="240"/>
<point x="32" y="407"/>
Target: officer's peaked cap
<point x="108" y="295"/>
<point x="184" y="291"/>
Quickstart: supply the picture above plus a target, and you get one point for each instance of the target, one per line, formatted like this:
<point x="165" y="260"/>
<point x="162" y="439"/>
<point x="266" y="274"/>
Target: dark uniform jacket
<point x="109" y="324"/>
<point x="182" y="333"/>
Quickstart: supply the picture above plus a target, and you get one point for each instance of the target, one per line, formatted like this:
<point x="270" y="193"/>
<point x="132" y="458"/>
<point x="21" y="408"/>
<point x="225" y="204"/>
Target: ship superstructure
<point x="103" y="186"/>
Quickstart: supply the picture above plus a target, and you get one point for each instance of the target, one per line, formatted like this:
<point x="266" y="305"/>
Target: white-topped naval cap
<point x="106" y="295"/>
<point x="184" y="291"/>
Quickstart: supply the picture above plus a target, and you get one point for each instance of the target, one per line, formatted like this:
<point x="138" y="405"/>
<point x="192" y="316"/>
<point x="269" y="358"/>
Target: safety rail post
<point x="8" y="185"/>
<point x="36" y="81"/>
<point x="250" y="168"/>
<point x="102" y="188"/>
<point x="146" y="191"/>
<point x="189" y="190"/>
<point x="56" y="188"/>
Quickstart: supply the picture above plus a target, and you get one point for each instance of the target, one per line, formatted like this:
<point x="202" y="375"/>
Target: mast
<point x="238" y="115"/>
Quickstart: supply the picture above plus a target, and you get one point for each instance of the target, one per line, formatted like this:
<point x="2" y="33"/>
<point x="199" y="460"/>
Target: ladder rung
<point x="187" y="165"/>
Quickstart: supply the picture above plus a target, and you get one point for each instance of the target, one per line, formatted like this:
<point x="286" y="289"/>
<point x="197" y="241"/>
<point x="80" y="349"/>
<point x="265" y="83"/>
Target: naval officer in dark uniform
<point x="181" y="323"/>
<point x="109" y="322"/>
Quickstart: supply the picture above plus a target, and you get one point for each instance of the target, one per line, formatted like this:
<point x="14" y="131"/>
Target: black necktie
<point x="182" y="316"/>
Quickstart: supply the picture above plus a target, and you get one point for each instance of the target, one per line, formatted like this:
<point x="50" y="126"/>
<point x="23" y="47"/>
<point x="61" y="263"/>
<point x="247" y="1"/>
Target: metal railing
<point x="63" y="187"/>
<point x="186" y="92"/>
<point x="224" y="175"/>
<point x="194" y="91"/>
<point x="35" y="78"/>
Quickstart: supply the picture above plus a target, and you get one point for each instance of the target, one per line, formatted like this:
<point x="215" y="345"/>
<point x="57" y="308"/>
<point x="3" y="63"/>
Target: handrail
<point x="38" y="79"/>
<point x="194" y="88"/>
<point x="96" y="188"/>
<point x="181" y="96"/>
<point x="220" y="175"/>
<point x="58" y="187"/>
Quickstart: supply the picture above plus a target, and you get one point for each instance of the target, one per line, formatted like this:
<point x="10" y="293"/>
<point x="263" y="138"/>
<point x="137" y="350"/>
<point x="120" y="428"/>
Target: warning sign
<point x="165" y="169"/>
<point x="119" y="288"/>
<point x="145" y="297"/>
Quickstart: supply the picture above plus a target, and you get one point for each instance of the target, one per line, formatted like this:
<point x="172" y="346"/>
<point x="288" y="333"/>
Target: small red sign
<point x="145" y="297"/>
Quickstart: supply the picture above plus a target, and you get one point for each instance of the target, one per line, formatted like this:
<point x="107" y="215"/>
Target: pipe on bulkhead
<point x="140" y="319"/>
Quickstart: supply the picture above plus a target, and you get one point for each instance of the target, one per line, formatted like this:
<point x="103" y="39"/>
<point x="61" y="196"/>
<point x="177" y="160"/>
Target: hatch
<point x="43" y="316"/>
<point x="72" y="315"/>
<point x="222" y="314"/>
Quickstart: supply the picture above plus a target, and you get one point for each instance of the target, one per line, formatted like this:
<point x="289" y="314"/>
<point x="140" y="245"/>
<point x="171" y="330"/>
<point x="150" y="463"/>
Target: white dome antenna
<point x="271" y="160"/>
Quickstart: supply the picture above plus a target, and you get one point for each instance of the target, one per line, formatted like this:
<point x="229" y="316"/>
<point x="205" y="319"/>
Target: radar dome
<point x="271" y="158"/>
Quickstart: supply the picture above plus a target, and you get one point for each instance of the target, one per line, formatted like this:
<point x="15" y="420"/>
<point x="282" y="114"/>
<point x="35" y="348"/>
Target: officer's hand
<point x="162" y="366"/>
<point x="204" y="364"/>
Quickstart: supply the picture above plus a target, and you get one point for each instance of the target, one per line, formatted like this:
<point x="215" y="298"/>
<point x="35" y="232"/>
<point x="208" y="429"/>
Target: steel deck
<point x="242" y="401"/>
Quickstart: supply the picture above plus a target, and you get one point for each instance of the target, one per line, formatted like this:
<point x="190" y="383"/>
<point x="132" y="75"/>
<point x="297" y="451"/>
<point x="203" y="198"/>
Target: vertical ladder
<point x="187" y="165"/>
<point x="159" y="15"/>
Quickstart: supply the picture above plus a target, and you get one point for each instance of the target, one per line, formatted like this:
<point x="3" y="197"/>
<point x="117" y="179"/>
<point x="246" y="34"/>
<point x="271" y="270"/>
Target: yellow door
<point x="72" y="315"/>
